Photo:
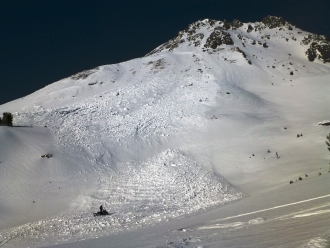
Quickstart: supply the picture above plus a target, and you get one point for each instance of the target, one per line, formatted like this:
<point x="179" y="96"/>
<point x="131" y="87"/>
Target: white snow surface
<point x="175" y="143"/>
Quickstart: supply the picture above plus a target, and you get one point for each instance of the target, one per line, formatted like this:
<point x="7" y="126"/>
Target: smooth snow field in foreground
<point x="188" y="146"/>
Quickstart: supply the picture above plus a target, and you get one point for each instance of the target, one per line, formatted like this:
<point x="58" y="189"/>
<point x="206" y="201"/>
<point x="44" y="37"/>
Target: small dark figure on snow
<point x="102" y="212"/>
<point x="300" y="178"/>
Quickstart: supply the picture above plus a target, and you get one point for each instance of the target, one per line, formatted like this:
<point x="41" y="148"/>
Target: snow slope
<point x="205" y="119"/>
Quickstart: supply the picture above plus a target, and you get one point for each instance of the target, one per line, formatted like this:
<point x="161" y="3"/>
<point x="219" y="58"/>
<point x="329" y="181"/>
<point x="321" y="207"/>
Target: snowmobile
<point x="104" y="212"/>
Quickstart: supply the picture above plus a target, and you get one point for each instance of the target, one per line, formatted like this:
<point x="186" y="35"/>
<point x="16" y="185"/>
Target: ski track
<point x="217" y="233"/>
<point x="282" y="206"/>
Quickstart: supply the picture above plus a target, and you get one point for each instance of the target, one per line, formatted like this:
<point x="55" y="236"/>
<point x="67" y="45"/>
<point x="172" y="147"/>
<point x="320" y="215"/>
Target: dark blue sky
<point x="43" y="41"/>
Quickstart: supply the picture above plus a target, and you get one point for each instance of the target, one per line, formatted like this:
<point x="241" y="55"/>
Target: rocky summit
<point x="209" y="35"/>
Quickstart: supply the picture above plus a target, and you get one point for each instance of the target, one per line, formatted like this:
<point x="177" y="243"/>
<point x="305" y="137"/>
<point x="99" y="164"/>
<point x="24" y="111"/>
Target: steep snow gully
<point x="203" y="126"/>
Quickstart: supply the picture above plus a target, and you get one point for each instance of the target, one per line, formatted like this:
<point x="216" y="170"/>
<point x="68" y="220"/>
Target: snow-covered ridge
<point x="210" y="34"/>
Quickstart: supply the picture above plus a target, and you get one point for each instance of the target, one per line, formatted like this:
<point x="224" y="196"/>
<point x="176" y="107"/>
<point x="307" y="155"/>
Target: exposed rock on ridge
<point x="275" y="22"/>
<point x="319" y="47"/>
<point x="217" y="38"/>
<point x="236" y="24"/>
<point x="190" y="34"/>
<point x="211" y="35"/>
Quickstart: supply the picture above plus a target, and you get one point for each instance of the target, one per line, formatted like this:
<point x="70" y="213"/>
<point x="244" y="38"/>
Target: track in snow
<point x="267" y="209"/>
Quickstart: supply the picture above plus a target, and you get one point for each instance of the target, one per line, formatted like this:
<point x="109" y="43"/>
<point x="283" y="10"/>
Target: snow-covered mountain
<point x="206" y="118"/>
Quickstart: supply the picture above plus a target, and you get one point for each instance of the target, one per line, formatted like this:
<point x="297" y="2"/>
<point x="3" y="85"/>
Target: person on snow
<point x="101" y="209"/>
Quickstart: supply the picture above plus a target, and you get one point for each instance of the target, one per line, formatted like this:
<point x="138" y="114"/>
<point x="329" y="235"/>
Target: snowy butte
<point x="209" y="117"/>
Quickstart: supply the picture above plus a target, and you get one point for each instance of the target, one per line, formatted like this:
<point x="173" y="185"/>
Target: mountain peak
<point x="212" y="36"/>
